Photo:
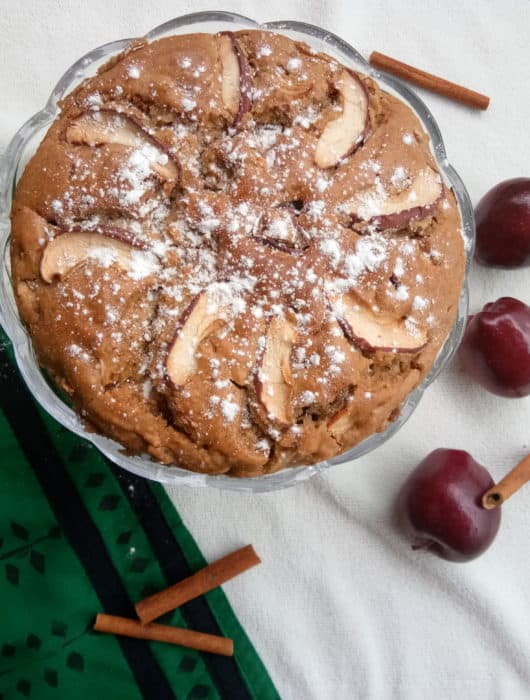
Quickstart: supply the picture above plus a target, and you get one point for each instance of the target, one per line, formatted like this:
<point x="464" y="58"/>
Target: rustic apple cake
<point x="234" y="253"/>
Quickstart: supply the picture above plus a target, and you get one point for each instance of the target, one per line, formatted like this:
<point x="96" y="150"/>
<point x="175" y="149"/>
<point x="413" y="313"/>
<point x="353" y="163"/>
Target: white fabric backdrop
<point x="341" y="608"/>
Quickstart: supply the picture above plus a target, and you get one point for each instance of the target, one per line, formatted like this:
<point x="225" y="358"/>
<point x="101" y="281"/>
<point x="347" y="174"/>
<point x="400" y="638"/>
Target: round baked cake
<point x="235" y="253"/>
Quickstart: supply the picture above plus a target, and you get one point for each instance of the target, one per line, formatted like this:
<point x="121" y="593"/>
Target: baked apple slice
<point x="414" y="203"/>
<point x="339" y="423"/>
<point x="98" y="127"/>
<point x="280" y="229"/>
<point x="274" y="378"/>
<point x="293" y="92"/>
<point x="70" y="249"/>
<point x="371" y="331"/>
<point x="235" y="76"/>
<point x="343" y="135"/>
<point x="204" y="316"/>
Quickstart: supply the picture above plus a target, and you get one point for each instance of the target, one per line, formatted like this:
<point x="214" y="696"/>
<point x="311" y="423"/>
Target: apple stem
<point x="512" y="482"/>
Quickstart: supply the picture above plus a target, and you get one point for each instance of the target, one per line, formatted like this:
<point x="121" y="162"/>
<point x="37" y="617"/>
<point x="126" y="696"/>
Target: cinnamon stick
<point x="429" y="81"/>
<point x="111" y="624"/>
<point x="512" y="482"/>
<point x="201" y="582"/>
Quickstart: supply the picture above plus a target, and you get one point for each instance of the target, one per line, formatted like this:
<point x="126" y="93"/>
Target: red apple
<point x="495" y="350"/>
<point x="503" y="225"/>
<point x="440" y="505"/>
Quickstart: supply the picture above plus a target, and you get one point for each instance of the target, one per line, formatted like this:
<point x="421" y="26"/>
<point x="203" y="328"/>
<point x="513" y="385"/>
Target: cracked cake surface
<point x="235" y="253"/>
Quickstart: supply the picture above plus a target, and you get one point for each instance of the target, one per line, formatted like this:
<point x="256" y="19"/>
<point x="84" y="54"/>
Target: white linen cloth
<point x="341" y="608"/>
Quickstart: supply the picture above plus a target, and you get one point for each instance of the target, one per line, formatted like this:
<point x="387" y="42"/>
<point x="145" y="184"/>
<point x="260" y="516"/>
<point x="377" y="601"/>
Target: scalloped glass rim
<point x="20" y="150"/>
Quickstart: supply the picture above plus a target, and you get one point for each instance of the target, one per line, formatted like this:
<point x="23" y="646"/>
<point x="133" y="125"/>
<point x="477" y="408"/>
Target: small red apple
<point x="503" y="225"/>
<point x="440" y="505"/>
<point x="495" y="349"/>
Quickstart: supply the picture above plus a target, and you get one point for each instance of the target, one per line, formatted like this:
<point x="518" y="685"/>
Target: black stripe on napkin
<point x="224" y="670"/>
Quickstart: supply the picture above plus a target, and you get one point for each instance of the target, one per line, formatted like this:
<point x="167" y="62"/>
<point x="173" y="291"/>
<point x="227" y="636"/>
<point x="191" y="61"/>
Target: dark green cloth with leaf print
<point x="79" y="536"/>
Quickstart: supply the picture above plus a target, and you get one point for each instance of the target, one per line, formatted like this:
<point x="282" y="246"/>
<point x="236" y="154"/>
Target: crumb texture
<point x="234" y="253"/>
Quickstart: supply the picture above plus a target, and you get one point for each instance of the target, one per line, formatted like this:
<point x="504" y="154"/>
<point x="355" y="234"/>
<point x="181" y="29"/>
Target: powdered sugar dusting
<point x="133" y="72"/>
<point x="188" y="104"/>
<point x="419" y="303"/>
<point x="280" y="229"/>
<point x="264" y="50"/>
<point x="104" y="255"/>
<point x="294" y="65"/>
<point x="331" y="248"/>
<point x="307" y="398"/>
<point x="137" y="171"/>
<point x="229" y="409"/>
<point x="143" y="264"/>
<point x="370" y="253"/>
<point x="371" y="202"/>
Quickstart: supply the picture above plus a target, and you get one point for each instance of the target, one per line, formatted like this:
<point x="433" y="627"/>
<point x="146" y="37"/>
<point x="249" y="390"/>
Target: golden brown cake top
<point x="236" y="253"/>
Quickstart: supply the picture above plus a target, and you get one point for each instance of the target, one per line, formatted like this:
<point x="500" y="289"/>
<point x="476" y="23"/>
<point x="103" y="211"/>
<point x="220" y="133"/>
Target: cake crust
<point x="235" y="254"/>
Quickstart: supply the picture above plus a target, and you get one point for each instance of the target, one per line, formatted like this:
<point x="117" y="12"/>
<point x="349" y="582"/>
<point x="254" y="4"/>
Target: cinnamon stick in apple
<point x="205" y="580"/>
<point x="210" y="643"/>
<point x="512" y="482"/>
<point x="429" y="81"/>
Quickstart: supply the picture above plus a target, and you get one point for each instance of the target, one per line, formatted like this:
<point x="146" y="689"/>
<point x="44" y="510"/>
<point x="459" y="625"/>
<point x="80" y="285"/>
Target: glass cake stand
<point x="24" y="145"/>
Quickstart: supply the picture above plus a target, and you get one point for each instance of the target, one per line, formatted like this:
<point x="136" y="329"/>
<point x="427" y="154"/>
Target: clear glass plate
<point x="24" y="145"/>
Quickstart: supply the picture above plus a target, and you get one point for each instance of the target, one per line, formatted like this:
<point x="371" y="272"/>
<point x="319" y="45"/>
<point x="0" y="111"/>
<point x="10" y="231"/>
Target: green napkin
<point x="80" y="536"/>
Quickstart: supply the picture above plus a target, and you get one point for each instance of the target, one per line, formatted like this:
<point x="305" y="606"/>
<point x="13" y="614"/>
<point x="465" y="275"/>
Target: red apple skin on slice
<point x="98" y="127"/>
<point x="236" y="82"/>
<point x="70" y="249"/>
<point x="274" y="379"/>
<point x="116" y="232"/>
<point x="343" y="135"/>
<point x="396" y="213"/>
<point x="202" y="317"/>
<point x="370" y="331"/>
<point x="402" y="219"/>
